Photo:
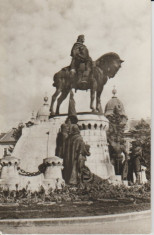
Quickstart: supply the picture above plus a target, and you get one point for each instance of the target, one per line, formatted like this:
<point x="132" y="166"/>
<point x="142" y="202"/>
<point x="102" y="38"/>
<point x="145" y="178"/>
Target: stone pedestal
<point x="35" y="144"/>
<point x="93" y="130"/>
<point x="117" y="180"/>
<point x="9" y="174"/>
<point x="53" y="173"/>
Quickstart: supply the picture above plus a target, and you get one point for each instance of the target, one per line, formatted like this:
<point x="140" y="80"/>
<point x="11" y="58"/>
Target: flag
<point x="71" y="107"/>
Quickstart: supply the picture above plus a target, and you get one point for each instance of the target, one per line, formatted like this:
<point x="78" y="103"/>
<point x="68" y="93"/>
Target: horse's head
<point x="110" y="63"/>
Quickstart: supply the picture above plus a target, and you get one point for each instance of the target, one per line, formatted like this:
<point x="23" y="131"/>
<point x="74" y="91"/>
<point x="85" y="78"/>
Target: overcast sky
<point x="36" y="40"/>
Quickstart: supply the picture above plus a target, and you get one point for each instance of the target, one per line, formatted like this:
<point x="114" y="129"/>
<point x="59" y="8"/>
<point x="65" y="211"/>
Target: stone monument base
<point x="117" y="180"/>
<point x="93" y="130"/>
<point x="39" y="141"/>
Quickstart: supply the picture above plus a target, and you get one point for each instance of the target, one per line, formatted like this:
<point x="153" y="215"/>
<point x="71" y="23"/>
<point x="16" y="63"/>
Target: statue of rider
<point x="81" y="64"/>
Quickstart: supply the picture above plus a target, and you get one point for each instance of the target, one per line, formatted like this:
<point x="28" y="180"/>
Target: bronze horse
<point x="103" y="68"/>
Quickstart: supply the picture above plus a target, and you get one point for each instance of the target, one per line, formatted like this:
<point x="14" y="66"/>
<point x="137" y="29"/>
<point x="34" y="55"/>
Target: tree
<point x="141" y="135"/>
<point x="18" y="132"/>
<point x="117" y="123"/>
<point x="115" y="137"/>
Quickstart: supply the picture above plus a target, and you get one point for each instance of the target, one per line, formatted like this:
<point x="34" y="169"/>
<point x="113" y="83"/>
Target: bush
<point x="92" y="191"/>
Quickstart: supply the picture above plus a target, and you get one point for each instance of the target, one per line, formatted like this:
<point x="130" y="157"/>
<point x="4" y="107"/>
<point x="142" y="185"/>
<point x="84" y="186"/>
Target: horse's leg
<point x="57" y="92"/>
<point x="98" y="101"/>
<point x="92" y="97"/>
<point x="61" y="98"/>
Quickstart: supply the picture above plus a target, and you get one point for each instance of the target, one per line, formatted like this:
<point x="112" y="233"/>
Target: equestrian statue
<point x="84" y="74"/>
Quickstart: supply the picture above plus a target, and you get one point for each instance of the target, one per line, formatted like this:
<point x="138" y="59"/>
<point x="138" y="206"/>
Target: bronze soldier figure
<point x="135" y="164"/>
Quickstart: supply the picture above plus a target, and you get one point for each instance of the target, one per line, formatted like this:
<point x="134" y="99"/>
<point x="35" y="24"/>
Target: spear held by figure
<point x="72" y="115"/>
<point x="47" y="142"/>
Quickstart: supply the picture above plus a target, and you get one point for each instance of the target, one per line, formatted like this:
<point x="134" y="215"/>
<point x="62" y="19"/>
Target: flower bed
<point x="94" y="191"/>
<point x="89" y="199"/>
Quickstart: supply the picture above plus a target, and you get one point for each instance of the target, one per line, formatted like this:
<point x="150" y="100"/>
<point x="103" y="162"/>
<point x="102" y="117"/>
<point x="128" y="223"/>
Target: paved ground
<point x="139" y="226"/>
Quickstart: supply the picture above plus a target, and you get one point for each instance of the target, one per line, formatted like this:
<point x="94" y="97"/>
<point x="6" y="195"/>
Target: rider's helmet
<point x="80" y="38"/>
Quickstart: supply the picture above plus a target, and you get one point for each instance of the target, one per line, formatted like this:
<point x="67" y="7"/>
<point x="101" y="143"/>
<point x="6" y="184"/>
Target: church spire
<point x="33" y="116"/>
<point x="46" y="99"/>
<point x="114" y="91"/>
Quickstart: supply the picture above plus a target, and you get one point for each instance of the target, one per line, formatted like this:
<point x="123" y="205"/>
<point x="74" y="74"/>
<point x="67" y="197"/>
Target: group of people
<point x="135" y="163"/>
<point x="73" y="150"/>
<point x="128" y="165"/>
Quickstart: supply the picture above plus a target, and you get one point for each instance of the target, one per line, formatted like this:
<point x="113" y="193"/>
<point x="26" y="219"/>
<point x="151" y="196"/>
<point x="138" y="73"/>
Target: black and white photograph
<point x="75" y="116"/>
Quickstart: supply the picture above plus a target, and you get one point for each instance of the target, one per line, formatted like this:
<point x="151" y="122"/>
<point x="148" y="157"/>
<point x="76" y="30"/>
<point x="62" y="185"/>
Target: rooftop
<point x="7" y="137"/>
